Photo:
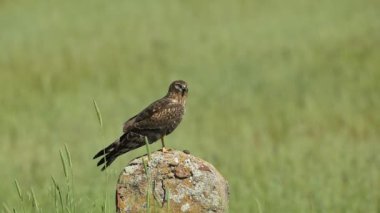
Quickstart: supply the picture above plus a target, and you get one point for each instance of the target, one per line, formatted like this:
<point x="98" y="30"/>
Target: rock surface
<point x="171" y="182"/>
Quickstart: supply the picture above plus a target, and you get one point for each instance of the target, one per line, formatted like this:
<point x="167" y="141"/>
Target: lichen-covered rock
<point x="171" y="182"/>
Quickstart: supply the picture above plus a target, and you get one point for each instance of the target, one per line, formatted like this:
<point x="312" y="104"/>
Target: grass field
<point x="284" y="97"/>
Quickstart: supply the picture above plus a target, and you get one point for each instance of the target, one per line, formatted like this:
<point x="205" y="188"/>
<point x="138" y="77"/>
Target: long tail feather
<point x="127" y="142"/>
<point x="106" y="150"/>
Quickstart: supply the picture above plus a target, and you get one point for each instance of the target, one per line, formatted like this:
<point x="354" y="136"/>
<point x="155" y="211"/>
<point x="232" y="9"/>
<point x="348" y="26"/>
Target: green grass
<point x="284" y="97"/>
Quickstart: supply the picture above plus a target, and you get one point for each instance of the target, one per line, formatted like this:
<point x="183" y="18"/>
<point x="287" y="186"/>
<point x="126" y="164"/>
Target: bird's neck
<point x="176" y="98"/>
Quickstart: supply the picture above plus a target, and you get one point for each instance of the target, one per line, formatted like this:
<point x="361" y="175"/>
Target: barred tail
<point x="127" y="142"/>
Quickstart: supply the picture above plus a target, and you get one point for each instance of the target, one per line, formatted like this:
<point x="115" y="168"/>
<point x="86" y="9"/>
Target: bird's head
<point x="178" y="90"/>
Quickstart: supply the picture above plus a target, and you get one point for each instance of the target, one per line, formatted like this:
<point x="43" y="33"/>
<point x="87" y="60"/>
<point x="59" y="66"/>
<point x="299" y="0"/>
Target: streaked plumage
<point x="156" y="121"/>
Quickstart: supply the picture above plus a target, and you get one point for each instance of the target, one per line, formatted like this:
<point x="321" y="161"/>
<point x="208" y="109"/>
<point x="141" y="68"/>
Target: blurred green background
<point x="284" y="96"/>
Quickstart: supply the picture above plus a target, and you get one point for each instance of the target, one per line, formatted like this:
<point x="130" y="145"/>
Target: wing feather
<point x="153" y="116"/>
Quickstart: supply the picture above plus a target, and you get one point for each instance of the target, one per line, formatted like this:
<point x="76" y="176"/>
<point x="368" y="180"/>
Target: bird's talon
<point x="165" y="150"/>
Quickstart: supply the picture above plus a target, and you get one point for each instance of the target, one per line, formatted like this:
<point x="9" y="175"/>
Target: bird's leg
<point x="164" y="150"/>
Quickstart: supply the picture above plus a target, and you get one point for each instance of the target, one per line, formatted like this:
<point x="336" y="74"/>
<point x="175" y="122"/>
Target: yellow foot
<point x="165" y="150"/>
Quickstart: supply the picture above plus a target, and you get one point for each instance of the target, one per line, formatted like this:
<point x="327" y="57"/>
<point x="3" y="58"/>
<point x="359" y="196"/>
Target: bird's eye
<point x="178" y="86"/>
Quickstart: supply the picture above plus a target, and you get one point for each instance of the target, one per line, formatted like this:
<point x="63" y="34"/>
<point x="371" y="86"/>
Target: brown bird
<point x="155" y="122"/>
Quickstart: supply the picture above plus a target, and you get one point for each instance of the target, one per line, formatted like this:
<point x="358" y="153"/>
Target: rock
<point x="171" y="182"/>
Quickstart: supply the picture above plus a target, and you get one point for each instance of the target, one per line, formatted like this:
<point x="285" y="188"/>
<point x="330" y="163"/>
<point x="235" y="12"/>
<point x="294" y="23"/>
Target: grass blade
<point x="148" y="200"/>
<point x="147" y="148"/>
<point x="19" y="190"/>
<point x="68" y="155"/>
<point x="104" y="207"/>
<point x="63" y="163"/>
<point x="55" y="197"/>
<point x="59" y="192"/>
<point x="68" y="209"/>
<point x="98" y="114"/>
<point x="145" y="164"/>
<point x="35" y="203"/>
<point x="147" y="172"/>
<point x="258" y="205"/>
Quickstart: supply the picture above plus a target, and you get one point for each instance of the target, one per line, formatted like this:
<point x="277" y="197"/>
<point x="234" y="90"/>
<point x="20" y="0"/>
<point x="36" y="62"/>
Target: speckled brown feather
<point x="154" y="122"/>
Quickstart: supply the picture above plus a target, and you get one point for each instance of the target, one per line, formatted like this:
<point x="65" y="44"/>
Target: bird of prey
<point x="154" y="122"/>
